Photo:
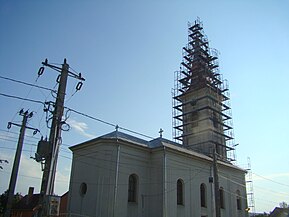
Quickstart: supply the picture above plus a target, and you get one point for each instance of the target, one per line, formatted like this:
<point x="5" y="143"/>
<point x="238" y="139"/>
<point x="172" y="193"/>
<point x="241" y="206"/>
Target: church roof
<point x="280" y="212"/>
<point x="154" y="143"/>
<point x="157" y="142"/>
<point x="123" y="136"/>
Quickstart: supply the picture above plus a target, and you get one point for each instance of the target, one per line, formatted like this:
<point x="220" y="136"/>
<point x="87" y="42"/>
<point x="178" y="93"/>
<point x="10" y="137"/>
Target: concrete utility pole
<point x="48" y="178"/>
<point x="15" y="169"/>
<point x="216" y="185"/>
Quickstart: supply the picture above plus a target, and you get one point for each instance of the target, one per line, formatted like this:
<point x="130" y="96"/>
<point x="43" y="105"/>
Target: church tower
<point x="201" y="109"/>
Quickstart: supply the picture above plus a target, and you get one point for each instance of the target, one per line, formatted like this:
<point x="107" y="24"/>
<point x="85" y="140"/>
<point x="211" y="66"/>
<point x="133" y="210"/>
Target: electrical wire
<point x="80" y="113"/>
<point x="33" y="177"/>
<point x="96" y="119"/>
<point x="15" y="141"/>
<point x="15" y="133"/>
<point x="102" y="159"/>
<point x="28" y="84"/>
<point x="25" y="150"/>
<point x="279" y="183"/>
<point x="5" y="138"/>
<point x="148" y="183"/>
<point x="107" y="123"/>
<point x="265" y="190"/>
<point x="21" y="98"/>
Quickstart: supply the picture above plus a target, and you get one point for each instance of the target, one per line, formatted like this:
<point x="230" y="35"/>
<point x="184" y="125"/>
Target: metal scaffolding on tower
<point x="201" y="101"/>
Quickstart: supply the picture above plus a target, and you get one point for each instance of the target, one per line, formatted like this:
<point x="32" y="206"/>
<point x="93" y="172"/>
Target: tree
<point x="4" y="198"/>
<point x="283" y="204"/>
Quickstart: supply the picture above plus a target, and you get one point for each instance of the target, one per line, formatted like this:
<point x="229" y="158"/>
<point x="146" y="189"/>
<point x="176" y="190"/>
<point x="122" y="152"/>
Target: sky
<point x="128" y="51"/>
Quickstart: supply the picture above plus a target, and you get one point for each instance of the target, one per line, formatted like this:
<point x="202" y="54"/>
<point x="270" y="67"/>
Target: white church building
<point x="120" y="175"/>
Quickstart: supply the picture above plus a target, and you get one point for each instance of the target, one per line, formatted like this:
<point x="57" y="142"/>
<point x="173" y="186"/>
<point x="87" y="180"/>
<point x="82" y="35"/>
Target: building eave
<point x="194" y="154"/>
<point x="157" y="144"/>
<point x="113" y="138"/>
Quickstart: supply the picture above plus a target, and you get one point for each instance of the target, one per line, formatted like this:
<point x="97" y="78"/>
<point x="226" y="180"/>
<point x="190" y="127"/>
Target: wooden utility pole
<point x="16" y="163"/>
<point x="216" y="184"/>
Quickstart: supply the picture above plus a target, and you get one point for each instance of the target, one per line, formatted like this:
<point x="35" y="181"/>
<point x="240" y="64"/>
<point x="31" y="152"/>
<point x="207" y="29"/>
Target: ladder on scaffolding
<point x="250" y="189"/>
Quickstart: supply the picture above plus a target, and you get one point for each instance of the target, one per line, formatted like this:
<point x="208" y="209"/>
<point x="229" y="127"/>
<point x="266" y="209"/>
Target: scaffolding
<point x="250" y="189"/>
<point x="201" y="101"/>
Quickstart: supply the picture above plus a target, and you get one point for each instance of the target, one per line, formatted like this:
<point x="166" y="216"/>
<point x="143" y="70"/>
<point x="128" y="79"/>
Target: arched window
<point x="132" y="188"/>
<point x="83" y="189"/>
<point x="222" y="198"/>
<point x="203" y="195"/>
<point x="180" y="192"/>
<point x="238" y="200"/>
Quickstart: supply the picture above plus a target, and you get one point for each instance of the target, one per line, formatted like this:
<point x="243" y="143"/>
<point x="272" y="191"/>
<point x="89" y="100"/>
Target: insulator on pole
<point x="58" y="78"/>
<point x="79" y="85"/>
<point x="40" y="71"/>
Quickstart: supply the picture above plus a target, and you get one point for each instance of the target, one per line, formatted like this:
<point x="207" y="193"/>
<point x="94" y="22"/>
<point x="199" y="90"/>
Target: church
<point x="121" y="175"/>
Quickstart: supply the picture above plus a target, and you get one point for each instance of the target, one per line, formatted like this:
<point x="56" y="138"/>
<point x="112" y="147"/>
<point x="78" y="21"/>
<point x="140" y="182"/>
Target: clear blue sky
<point x="128" y="52"/>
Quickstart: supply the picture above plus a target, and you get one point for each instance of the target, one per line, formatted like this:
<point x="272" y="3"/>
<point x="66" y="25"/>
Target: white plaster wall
<point x="96" y="166"/>
<point x="193" y="173"/>
<point x="132" y="161"/>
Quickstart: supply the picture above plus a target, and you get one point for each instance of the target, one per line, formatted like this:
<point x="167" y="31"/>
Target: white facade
<point x="102" y="167"/>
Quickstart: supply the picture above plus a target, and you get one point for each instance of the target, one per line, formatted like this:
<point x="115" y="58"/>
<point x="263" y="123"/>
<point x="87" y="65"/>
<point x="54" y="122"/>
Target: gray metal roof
<point x="157" y="142"/>
<point x="124" y="136"/>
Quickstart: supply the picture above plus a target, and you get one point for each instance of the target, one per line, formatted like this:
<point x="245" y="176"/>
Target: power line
<point x="108" y="123"/>
<point x="21" y="98"/>
<point x="243" y="185"/>
<point x="279" y="183"/>
<point x="14" y="139"/>
<point x="91" y="117"/>
<point x="265" y="190"/>
<point x="236" y="182"/>
<point x="16" y="133"/>
<point x="80" y="113"/>
<point x="28" y="84"/>
<point x="24" y="150"/>
<point x="148" y="183"/>
<point x="34" y="177"/>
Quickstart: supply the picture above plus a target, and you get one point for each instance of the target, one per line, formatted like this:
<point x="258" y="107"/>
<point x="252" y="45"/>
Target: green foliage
<point x="4" y="198"/>
<point x="3" y="201"/>
<point x="283" y="204"/>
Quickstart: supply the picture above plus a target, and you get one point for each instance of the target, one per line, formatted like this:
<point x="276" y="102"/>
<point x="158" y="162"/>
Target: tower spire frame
<point x="202" y="117"/>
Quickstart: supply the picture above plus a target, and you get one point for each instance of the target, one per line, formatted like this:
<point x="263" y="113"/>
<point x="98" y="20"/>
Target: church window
<point x="193" y="102"/>
<point x="132" y="188"/>
<point x="203" y="195"/>
<point x="180" y="192"/>
<point x="83" y="189"/>
<point x="215" y="120"/>
<point x="194" y="118"/>
<point x="238" y="200"/>
<point x="222" y="198"/>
